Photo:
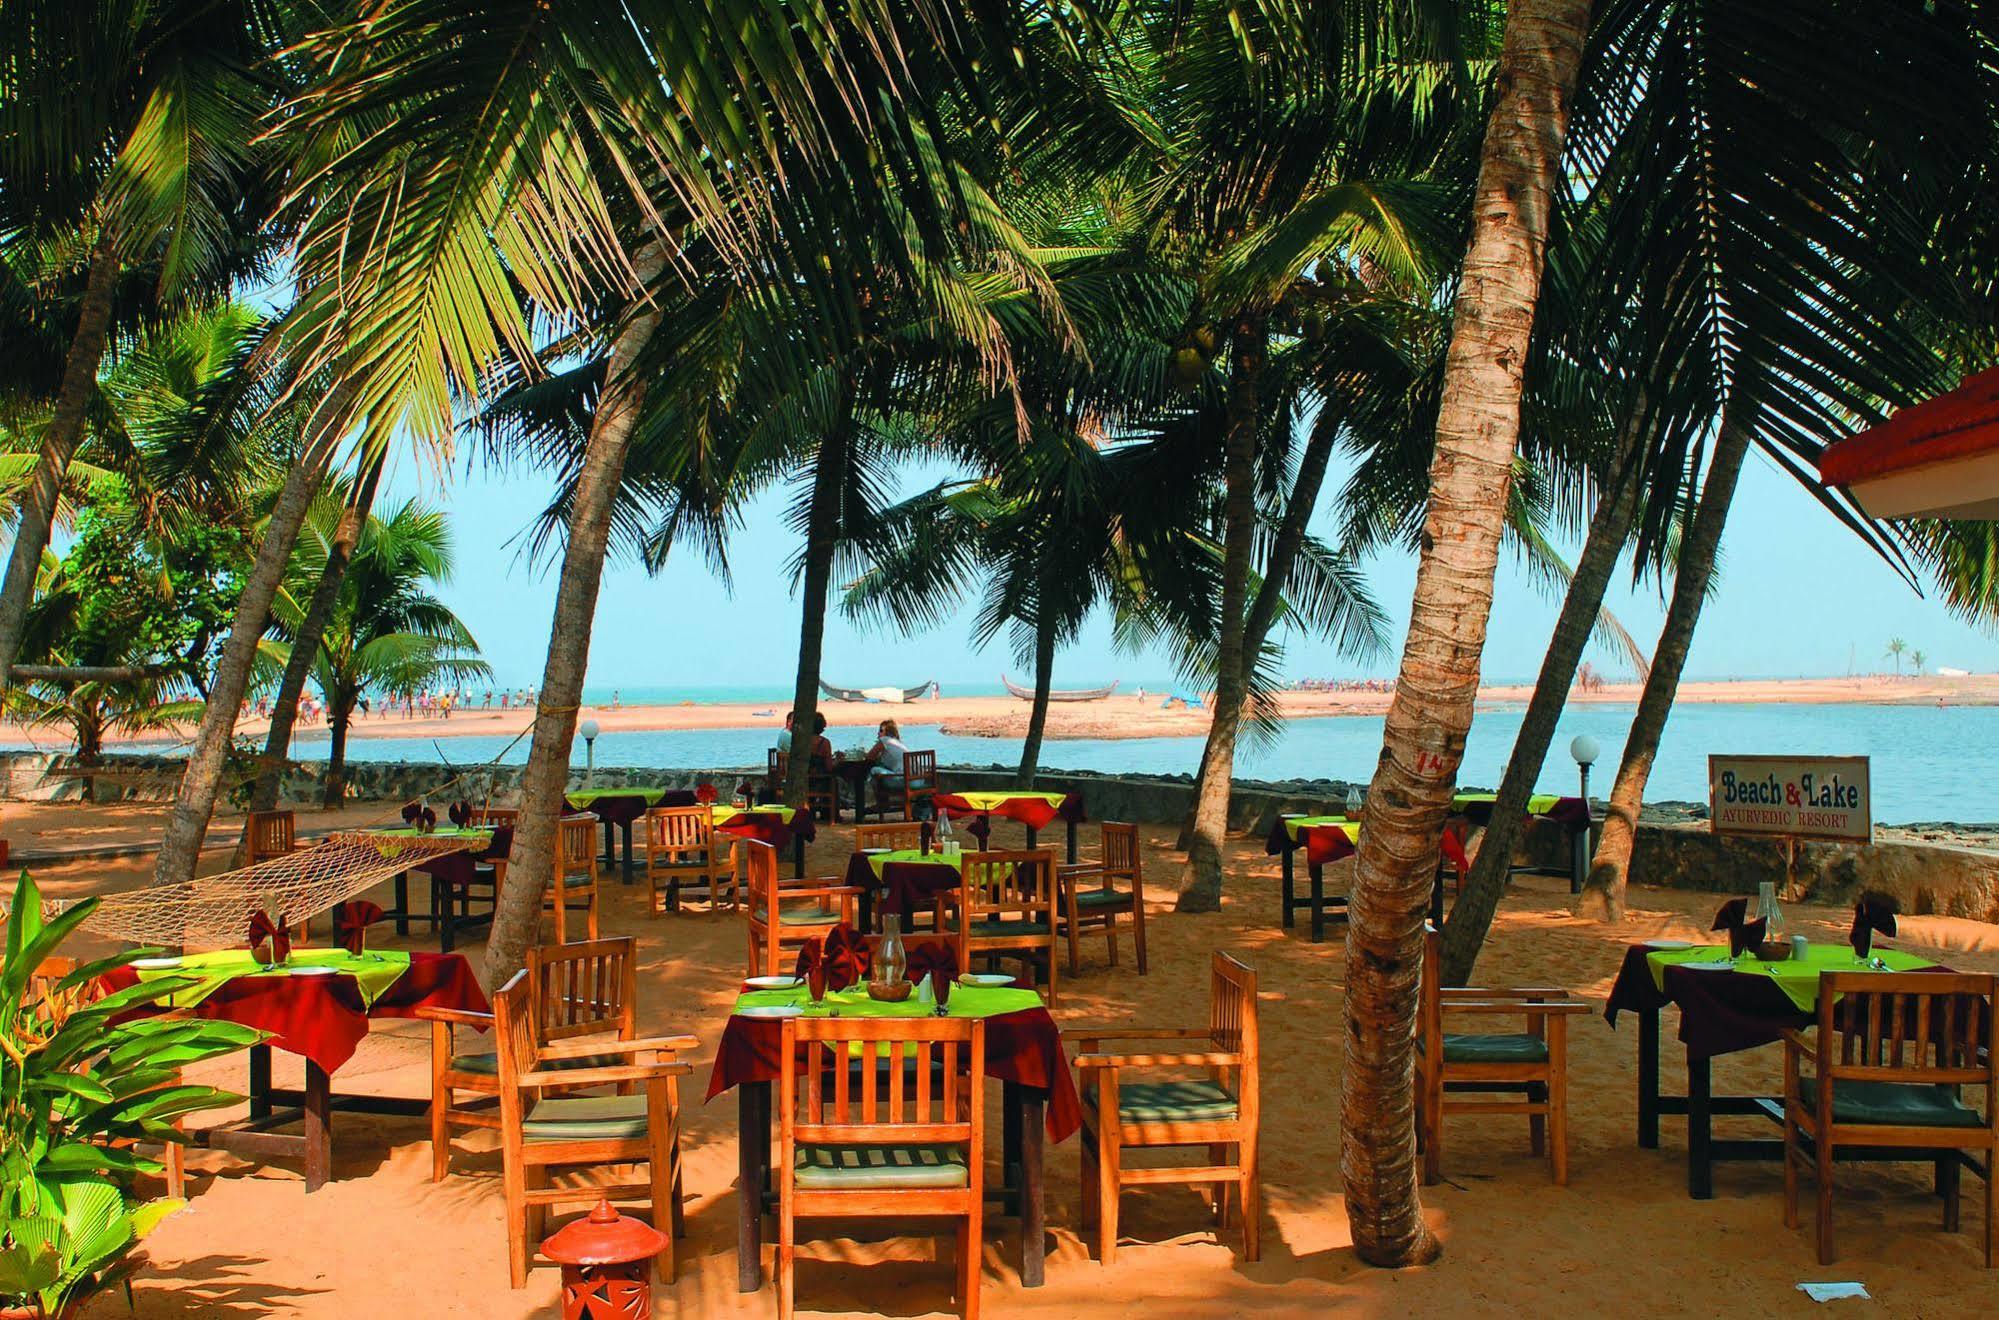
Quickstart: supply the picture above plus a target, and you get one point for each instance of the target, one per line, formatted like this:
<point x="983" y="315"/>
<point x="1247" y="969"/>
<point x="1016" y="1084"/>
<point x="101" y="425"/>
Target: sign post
<point x="1791" y="798"/>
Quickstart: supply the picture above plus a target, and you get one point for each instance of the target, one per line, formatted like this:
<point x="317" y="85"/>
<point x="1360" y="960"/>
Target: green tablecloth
<point x="956" y="860"/>
<point x="583" y="797"/>
<point x="724" y="812"/>
<point x="373" y="972"/>
<point x="473" y="840"/>
<point x="966" y="1002"/>
<point x="1798" y="980"/>
<point x="1536" y="805"/>
<point x="1351" y="828"/>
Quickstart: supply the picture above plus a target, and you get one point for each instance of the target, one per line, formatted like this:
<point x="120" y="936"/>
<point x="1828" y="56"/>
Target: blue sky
<point x="1799" y="595"/>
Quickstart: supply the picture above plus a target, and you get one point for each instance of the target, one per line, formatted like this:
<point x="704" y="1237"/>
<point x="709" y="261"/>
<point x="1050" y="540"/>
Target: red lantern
<point x="606" y="1261"/>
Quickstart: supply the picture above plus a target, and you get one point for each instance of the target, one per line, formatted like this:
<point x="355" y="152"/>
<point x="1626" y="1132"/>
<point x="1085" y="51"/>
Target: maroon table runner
<point x="770" y="827"/>
<point x="905" y="887"/>
<point x="322" y="1017"/>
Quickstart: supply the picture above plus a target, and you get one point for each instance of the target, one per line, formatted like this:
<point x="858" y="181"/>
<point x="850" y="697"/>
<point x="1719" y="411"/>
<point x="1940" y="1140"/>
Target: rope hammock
<point x="216" y="910"/>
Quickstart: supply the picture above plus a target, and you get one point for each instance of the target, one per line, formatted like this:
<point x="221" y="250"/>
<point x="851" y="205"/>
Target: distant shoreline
<point x="1125" y="715"/>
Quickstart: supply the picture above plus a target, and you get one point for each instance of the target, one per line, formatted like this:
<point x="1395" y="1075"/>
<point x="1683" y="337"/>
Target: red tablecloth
<point x="1329" y="843"/>
<point x="1033" y="812"/>
<point x="1022" y="1047"/>
<point x="322" y="1017"/>
<point x="905" y="887"/>
<point x="458" y="869"/>
<point x="770" y="827"/>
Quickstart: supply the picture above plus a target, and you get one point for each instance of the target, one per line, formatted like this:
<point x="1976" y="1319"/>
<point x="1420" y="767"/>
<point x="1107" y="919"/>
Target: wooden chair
<point x="782" y="917"/>
<point x="589" y="988"/>
<point x="901" y="836"/>
<point x="270" y="834"/>
<point x="1906" y="1041"/>
<point x="822" y="793"/>
<point x="679" y="848"/>
<point x="1004" y="906"/>
<point x="52" y="1005"/>
<point x="915" y="1151"/>
<point x="1534" y="1062"/>
<point x="541" y="1135"/>
<point x="1086" y="904"/>
<point x="574" y="884"/>
<point x="917" y="783"/>
<point x="1219" y="1111"/>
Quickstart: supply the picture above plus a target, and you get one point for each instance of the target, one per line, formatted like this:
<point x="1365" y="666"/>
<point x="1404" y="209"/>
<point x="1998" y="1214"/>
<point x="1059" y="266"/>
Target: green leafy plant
<point x="78" y="1088"/>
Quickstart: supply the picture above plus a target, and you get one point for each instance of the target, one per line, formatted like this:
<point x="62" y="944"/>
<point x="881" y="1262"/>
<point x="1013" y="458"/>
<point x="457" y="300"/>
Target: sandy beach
<point x="251" y="1243"/>
<point x="1121" y="716"/>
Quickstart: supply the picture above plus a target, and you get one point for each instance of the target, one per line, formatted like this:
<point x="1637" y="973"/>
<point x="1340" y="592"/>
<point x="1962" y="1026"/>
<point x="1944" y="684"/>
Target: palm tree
<point x="388" y="632"/>
<point x="1896" y="648"/>
<point x="1916" y="659"/>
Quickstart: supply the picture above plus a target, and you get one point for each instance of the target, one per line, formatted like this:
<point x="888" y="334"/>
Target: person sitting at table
<point x="885" y="757"/>
<point x="783" y="743"/>
<point x="822" y="747"/>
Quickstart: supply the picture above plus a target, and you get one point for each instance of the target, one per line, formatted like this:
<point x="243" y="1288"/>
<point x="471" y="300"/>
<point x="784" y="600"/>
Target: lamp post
<point x="589" y="730"/>
<point x="1584" y="749"/>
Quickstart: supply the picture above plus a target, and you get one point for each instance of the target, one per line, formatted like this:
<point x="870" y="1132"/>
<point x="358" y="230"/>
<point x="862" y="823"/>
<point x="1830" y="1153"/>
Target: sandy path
<point x="384" y="1240"/>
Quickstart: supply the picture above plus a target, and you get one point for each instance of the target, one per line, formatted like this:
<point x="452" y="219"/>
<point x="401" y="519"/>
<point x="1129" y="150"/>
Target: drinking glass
<point x="941" y="987"/>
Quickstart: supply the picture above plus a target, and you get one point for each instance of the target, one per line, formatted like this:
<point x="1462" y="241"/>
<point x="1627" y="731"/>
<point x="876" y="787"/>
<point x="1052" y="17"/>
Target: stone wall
<point x="1925" y="877"/>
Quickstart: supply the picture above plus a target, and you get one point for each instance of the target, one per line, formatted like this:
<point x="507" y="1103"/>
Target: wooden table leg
<point x="318" y="1127"/>
<point x="1010" y="1179"/>
<point x="446" y="911"/>
<point x="1033" y="1221"/>
<point x="1648" y="1078"/>
<point x="1290" y="866"/>
<point x="1071" y="832"/>
<point x="1318" y="874"/>
<point x="1700" y="1131"/>
<point x="798" y="856"/>
<point x="402" y="902"/>
<point x="752" y="1163"/>
<point x="1033" y="838"/>
<point x="260" y="1081"/>
<point x="625" y="829"/>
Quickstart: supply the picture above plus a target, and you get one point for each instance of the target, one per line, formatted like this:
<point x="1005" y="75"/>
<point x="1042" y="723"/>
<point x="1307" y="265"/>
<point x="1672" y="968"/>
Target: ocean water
<point x="1929" y="764"/>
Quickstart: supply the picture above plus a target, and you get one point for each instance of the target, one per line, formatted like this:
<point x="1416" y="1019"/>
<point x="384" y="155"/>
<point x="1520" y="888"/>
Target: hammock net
<point x="216" y="910"/>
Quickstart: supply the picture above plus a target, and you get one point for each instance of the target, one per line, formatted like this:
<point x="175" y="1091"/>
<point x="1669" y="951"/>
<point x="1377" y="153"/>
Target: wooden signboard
<point x="1791" y="797"/>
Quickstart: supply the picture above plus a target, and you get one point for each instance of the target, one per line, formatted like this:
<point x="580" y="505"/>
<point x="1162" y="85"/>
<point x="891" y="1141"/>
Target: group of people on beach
<point x="1343" y="685"/>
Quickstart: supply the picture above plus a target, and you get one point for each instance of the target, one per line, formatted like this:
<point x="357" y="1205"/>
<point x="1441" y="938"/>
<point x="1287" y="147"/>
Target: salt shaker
<point x="1800" y="948"/>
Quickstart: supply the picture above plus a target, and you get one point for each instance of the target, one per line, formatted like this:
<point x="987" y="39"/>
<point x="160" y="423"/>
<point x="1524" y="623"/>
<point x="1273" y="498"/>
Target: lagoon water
<point x="1929" y="764"/>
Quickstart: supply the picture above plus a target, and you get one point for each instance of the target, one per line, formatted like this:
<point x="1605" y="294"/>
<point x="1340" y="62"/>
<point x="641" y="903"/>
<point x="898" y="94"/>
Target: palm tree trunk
<point x="59" y="442"/>
<point x="305" y="647"/>
<point x="1609" y="872"/>
<point x="517" y="915"/>
<point x="201" y="782"/>
<point x="333" y="792"/>
<point x="1617" y="504"/>
<point x="822" y="537"/>
<point x="1201" y="886"/>
<point x="1263" y="610"/>
<point x="1478" y="428"/>
<point x="1044" y="679"/>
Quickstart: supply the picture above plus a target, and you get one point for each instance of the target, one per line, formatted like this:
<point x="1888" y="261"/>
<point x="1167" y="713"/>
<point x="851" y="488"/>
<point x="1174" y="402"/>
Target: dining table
<point x="315" y="1003"/>
<point x="1571" y="813"/>
<point x="617" y="806"/>
<point x="1036" y="811"/>
<point x="779" y="826"/>
<point x="1727" y="1004"/>
<point x="1023" y="1051"/>
<point x="1324" y="839"/>
<point x="451" y="871"/>
<point x="901" y="881"/>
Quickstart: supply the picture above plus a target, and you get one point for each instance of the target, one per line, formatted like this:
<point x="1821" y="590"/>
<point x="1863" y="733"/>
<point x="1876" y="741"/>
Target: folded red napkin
<point x="704" y="793"/>
<point x="264" y="928"/>
<point x="412" y="812"/>
<point x="460" y="813"/>
<point x="1742" y="934"/>
<point x="843" y="956"/>
<point x="1873" y="913"/>
<point x="937" y="959"/>
<point x="355" y="918"/>
<point x="1453" y="845"/>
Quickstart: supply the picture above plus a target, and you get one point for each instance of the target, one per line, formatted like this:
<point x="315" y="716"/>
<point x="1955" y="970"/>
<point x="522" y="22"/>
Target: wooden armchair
<point x="1220" y="1111"/>
<point x="899" y="836"/>
<point x="1091" y="897"/>
<point x="1534" y="1063"/>
<point x="916" y="784"/>
<point x="270" y="834"/>
<point x="589" y="988"/>
<point x="822" y="793"/>
<point x="1893" y="1048"/>
<point x="574" y="884"/>
<point x="680" y="855"/>
<point x="781" y="916"/>
<point x="490" y="872"/>
<point x="1004" y="906"/>
<point x="541" y="1135"/>
<point x="909" y="1144"/>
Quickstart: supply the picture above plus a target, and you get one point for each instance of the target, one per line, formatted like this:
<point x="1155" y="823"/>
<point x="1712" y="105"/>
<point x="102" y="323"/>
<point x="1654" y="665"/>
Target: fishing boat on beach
<point x="891" y="695"/>
<point x="1061" y="694"/>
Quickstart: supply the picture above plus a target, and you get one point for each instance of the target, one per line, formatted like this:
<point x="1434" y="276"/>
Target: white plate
<point x="155" y="964"/>
<point x="775" y="982"/>
<point x="1669" y="944"/>
<point x="875" y="852"/>
<point x="1711" y="966"/>
<point x="312" y="969"/>
<point x="984" y="978"/>
<point x="771" y="1011"/>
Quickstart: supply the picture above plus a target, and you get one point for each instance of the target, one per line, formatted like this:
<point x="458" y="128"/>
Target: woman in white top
<point x="885" y="757"/>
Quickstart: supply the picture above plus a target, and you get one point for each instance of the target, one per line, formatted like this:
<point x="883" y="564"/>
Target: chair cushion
<point x="1001" y="929"/>
<point x="1172" y="1102"/>
<point x="488" y="1063"/>
<point x="1494" y="1048"/>
<point x="586" y="1118"/>
<point x="1103" y="898"/>
<point x="579" y="881"/>
<point x="1904" y="1104"/>
<point x="855" y="1167"/>
<point x="808" y="914"/>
